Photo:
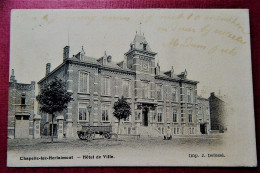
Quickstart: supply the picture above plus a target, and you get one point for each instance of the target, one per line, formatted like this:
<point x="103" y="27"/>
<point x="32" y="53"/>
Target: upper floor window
<point x="174" y="115"/>
<point x="174" y="93"/>
<point x="126" y="88"/>
<point x="106" y="86"/>
<point x="151" y="93"/>
<point x="117" y="86"/>
<point x="182" y="115"/>
<point x="200" y="109"/>
<point x="189" y="99"/>
<point x="83" y="82"/>
<point x="207" y="110"/>
<point x="23" y="99"/>
<point x="181" y="94"/>
<point x="145" y="88"/>
<point x="190" y="116"/>
<point x="167" y="94"/>
<point x="159" y="91"/>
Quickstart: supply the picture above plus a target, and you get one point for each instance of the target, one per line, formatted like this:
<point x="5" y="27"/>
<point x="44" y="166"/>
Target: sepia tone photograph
<point x="157" y="87"/>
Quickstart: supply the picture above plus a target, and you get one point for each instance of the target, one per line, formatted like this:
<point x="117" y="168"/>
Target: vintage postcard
<point x="140" y="87"/>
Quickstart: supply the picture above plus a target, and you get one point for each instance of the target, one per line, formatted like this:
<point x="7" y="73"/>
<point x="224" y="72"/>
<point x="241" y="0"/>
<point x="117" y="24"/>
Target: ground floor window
<point x="82" y="115"/>
<point x="137" y="116"/>
<point x="192" y="130"/>
<point x="161" y="130"/>
<point x="105" y="112"/>
<point x="159" y="115"/>
<point x="154" y="116"/>
<point x="127" y="119"/>
<point x="176" y="130"/>
<point x="127" y="130"/>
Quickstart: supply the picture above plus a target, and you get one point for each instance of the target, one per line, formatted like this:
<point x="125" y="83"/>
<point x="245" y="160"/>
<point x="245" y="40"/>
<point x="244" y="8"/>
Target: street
<point x="101" y="152"/>
<point x="98" y="143"/>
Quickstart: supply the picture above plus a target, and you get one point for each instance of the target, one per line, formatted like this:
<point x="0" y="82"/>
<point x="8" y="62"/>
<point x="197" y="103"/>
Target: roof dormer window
<point x="132" y="46"/>
<point x="144" y="46"/>
<point x="82" y="54"/>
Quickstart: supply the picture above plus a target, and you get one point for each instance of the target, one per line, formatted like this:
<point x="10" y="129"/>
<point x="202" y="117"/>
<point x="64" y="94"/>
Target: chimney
<point x="212" y="94"/>
<point x="33" y="84"/>
<point x="172" y="72"/>
<point x="66" y="52"/>
<point x="185" y="74"/>
<point x="48" y="68"/>
<point x="157" y="69"/>
<point x="12" y="78"/>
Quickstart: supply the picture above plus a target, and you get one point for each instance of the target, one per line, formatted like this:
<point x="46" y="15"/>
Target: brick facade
<point x="158" y="99"/>
<point x="20" y="109"/>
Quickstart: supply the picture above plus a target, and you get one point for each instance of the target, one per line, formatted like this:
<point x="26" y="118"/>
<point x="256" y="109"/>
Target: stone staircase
<point x="147" y="131"/>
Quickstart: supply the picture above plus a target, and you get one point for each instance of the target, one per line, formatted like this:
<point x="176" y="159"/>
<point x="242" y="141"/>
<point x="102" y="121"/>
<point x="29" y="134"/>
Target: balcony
<point x="22" y="109"/>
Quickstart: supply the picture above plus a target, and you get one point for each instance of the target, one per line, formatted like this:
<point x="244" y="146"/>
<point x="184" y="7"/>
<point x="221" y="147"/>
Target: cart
<point x="88" y="132"/>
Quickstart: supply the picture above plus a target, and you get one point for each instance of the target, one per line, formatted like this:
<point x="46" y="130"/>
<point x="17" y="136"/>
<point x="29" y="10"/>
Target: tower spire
<point x="140" y="28"/>
<point x="68" y="39"/>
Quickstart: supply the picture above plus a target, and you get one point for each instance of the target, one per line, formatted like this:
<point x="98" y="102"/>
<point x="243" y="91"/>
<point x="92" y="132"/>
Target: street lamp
<point x="89" y="111"/>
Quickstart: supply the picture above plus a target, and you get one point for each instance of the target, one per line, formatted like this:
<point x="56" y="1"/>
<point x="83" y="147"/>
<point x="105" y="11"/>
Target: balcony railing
<point x="22" y="109"/>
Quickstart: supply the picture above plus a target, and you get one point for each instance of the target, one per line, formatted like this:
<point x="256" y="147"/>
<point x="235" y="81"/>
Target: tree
<point x="54" y="98"/>
<point x="122" y="110"/>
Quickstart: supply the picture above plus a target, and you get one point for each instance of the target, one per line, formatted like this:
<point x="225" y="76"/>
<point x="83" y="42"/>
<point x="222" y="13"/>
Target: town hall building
<point x="159" y="99"/>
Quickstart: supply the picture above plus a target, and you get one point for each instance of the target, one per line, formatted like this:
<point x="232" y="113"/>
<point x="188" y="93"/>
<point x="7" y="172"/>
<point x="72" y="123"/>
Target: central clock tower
<point x="141" y="59"/>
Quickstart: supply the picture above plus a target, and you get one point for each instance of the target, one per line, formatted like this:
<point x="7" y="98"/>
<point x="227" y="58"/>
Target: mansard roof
<point x="164" y="76"/>
<point x="98" y="62"/>
<point x="86" y="59"/>
<point x="202" y="98"/>
<point x="175" y="77"/>
<point x="105" y="62"/>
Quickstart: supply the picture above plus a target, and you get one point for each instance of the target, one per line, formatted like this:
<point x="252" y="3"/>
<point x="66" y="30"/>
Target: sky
<point x="184" y="39"/>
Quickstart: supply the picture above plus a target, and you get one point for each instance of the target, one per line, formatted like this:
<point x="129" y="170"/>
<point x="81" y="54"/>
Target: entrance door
<point x="54" y="129"/>
<point x="202" y="129"/>
<point x="21" y="126"/>
<point x="145" y="117"/>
